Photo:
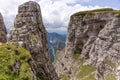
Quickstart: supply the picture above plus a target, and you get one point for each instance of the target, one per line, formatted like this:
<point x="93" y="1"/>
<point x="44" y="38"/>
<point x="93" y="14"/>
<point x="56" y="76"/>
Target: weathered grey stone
<point x="107" y="45"/>
<point x="95" y="37"/>
<point x="28" y="31"/>
<point x="3" y="31"/>
<point x="84" y="29"/>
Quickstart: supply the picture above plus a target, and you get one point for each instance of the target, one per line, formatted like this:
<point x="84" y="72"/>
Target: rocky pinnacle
<point x="3" y="31"/>
<point x="94" y="37"/>
<point x="28" y="31"/>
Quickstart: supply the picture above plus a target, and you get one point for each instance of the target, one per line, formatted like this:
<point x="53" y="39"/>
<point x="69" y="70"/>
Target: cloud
<point x="56" y="13"/>
<point x="9" y="9"/>
<point x="87" y="0"/>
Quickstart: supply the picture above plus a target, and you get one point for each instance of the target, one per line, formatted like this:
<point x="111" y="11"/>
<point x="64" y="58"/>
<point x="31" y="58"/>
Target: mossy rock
<point x="32" y="37"/>
<point x="90" y="12"/>
<point x="103" y="9"/>
<point x="86" y="70"/>
<point x="90" y="77"/>
<point x="76" y="56"/>
<point x="110" y="76"/>
<point x="39" y="77"/>
<point x="64" y="77"/>
<point x="110" y="63"/>
<point x="9" y="54"/>
<point x="117" y="13"/>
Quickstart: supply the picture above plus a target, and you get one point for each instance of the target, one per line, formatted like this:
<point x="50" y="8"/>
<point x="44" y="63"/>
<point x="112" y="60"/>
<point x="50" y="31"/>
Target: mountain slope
<point x="53" y="41"/>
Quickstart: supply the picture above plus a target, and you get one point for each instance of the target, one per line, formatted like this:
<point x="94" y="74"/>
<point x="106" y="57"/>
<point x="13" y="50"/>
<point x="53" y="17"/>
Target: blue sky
<point x="55" y="13"/>
<point x="109" y="3"/>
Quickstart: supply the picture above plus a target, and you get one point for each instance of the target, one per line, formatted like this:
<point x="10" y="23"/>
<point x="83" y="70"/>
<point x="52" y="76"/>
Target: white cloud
<point x="9" y="9"/>
<point x="87" y="0"/>
<point x="55" y="13"/>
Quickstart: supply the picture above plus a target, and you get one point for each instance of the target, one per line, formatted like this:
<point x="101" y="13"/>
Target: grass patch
<point x="103" y="9"/>
<point x="85" y="70"/>
<point x="90" y="77"/>
<point x="53" y="54"/>
<point x="8" y="58"/>
<point x="39" y="77"/>
<point x="111" y="76"/>
<point x="82" y="13"/>
<point x="64" y="77"/>
<point x="89" y="12"/>
<point x="110" y="63"/>
<point x="32" y="37"/>
<point x="76" y="56"/>
<point x="118" y="13"/>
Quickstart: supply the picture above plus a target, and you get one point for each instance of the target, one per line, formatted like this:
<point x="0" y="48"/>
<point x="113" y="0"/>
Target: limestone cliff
<point x="3" y="31"/>
<point x="106" y="49"/>
<point x="93" y="38"/>
<point x="28" y="31"/>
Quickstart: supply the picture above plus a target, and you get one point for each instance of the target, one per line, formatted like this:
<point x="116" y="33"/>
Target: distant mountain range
<point x="53" y="40"/>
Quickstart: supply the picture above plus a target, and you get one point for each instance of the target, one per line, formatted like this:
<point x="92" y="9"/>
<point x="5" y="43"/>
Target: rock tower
<point x="29" y="31"/>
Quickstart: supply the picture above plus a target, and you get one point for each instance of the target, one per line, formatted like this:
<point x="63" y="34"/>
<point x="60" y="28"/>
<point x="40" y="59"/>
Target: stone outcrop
<point x="94" y="36"/>
<point x="83" y="30"/>
<point x="107" y="47"/>
<point x="3" y="31"/>
<point x="28" y="31"/>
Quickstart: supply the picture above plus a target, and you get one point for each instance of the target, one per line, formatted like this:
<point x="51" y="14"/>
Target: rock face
<point x="107" y="47"/>
<point x="95" y="37"/>
<point x="28" y="31"/>
<point x="83" y="30"/>
<point x="3" y="31"/>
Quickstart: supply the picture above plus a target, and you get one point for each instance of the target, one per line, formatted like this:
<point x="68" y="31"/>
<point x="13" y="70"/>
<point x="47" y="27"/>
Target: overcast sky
<point x="55" y="13"/>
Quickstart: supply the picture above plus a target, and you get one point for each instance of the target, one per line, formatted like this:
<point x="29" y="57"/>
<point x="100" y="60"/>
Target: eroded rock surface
<point x="3" y="31"/>
<point x="93" y="36"/>
<point x="107" y="46"/>
<point x="83" y="30"/>
<point x="28" y="31"/>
